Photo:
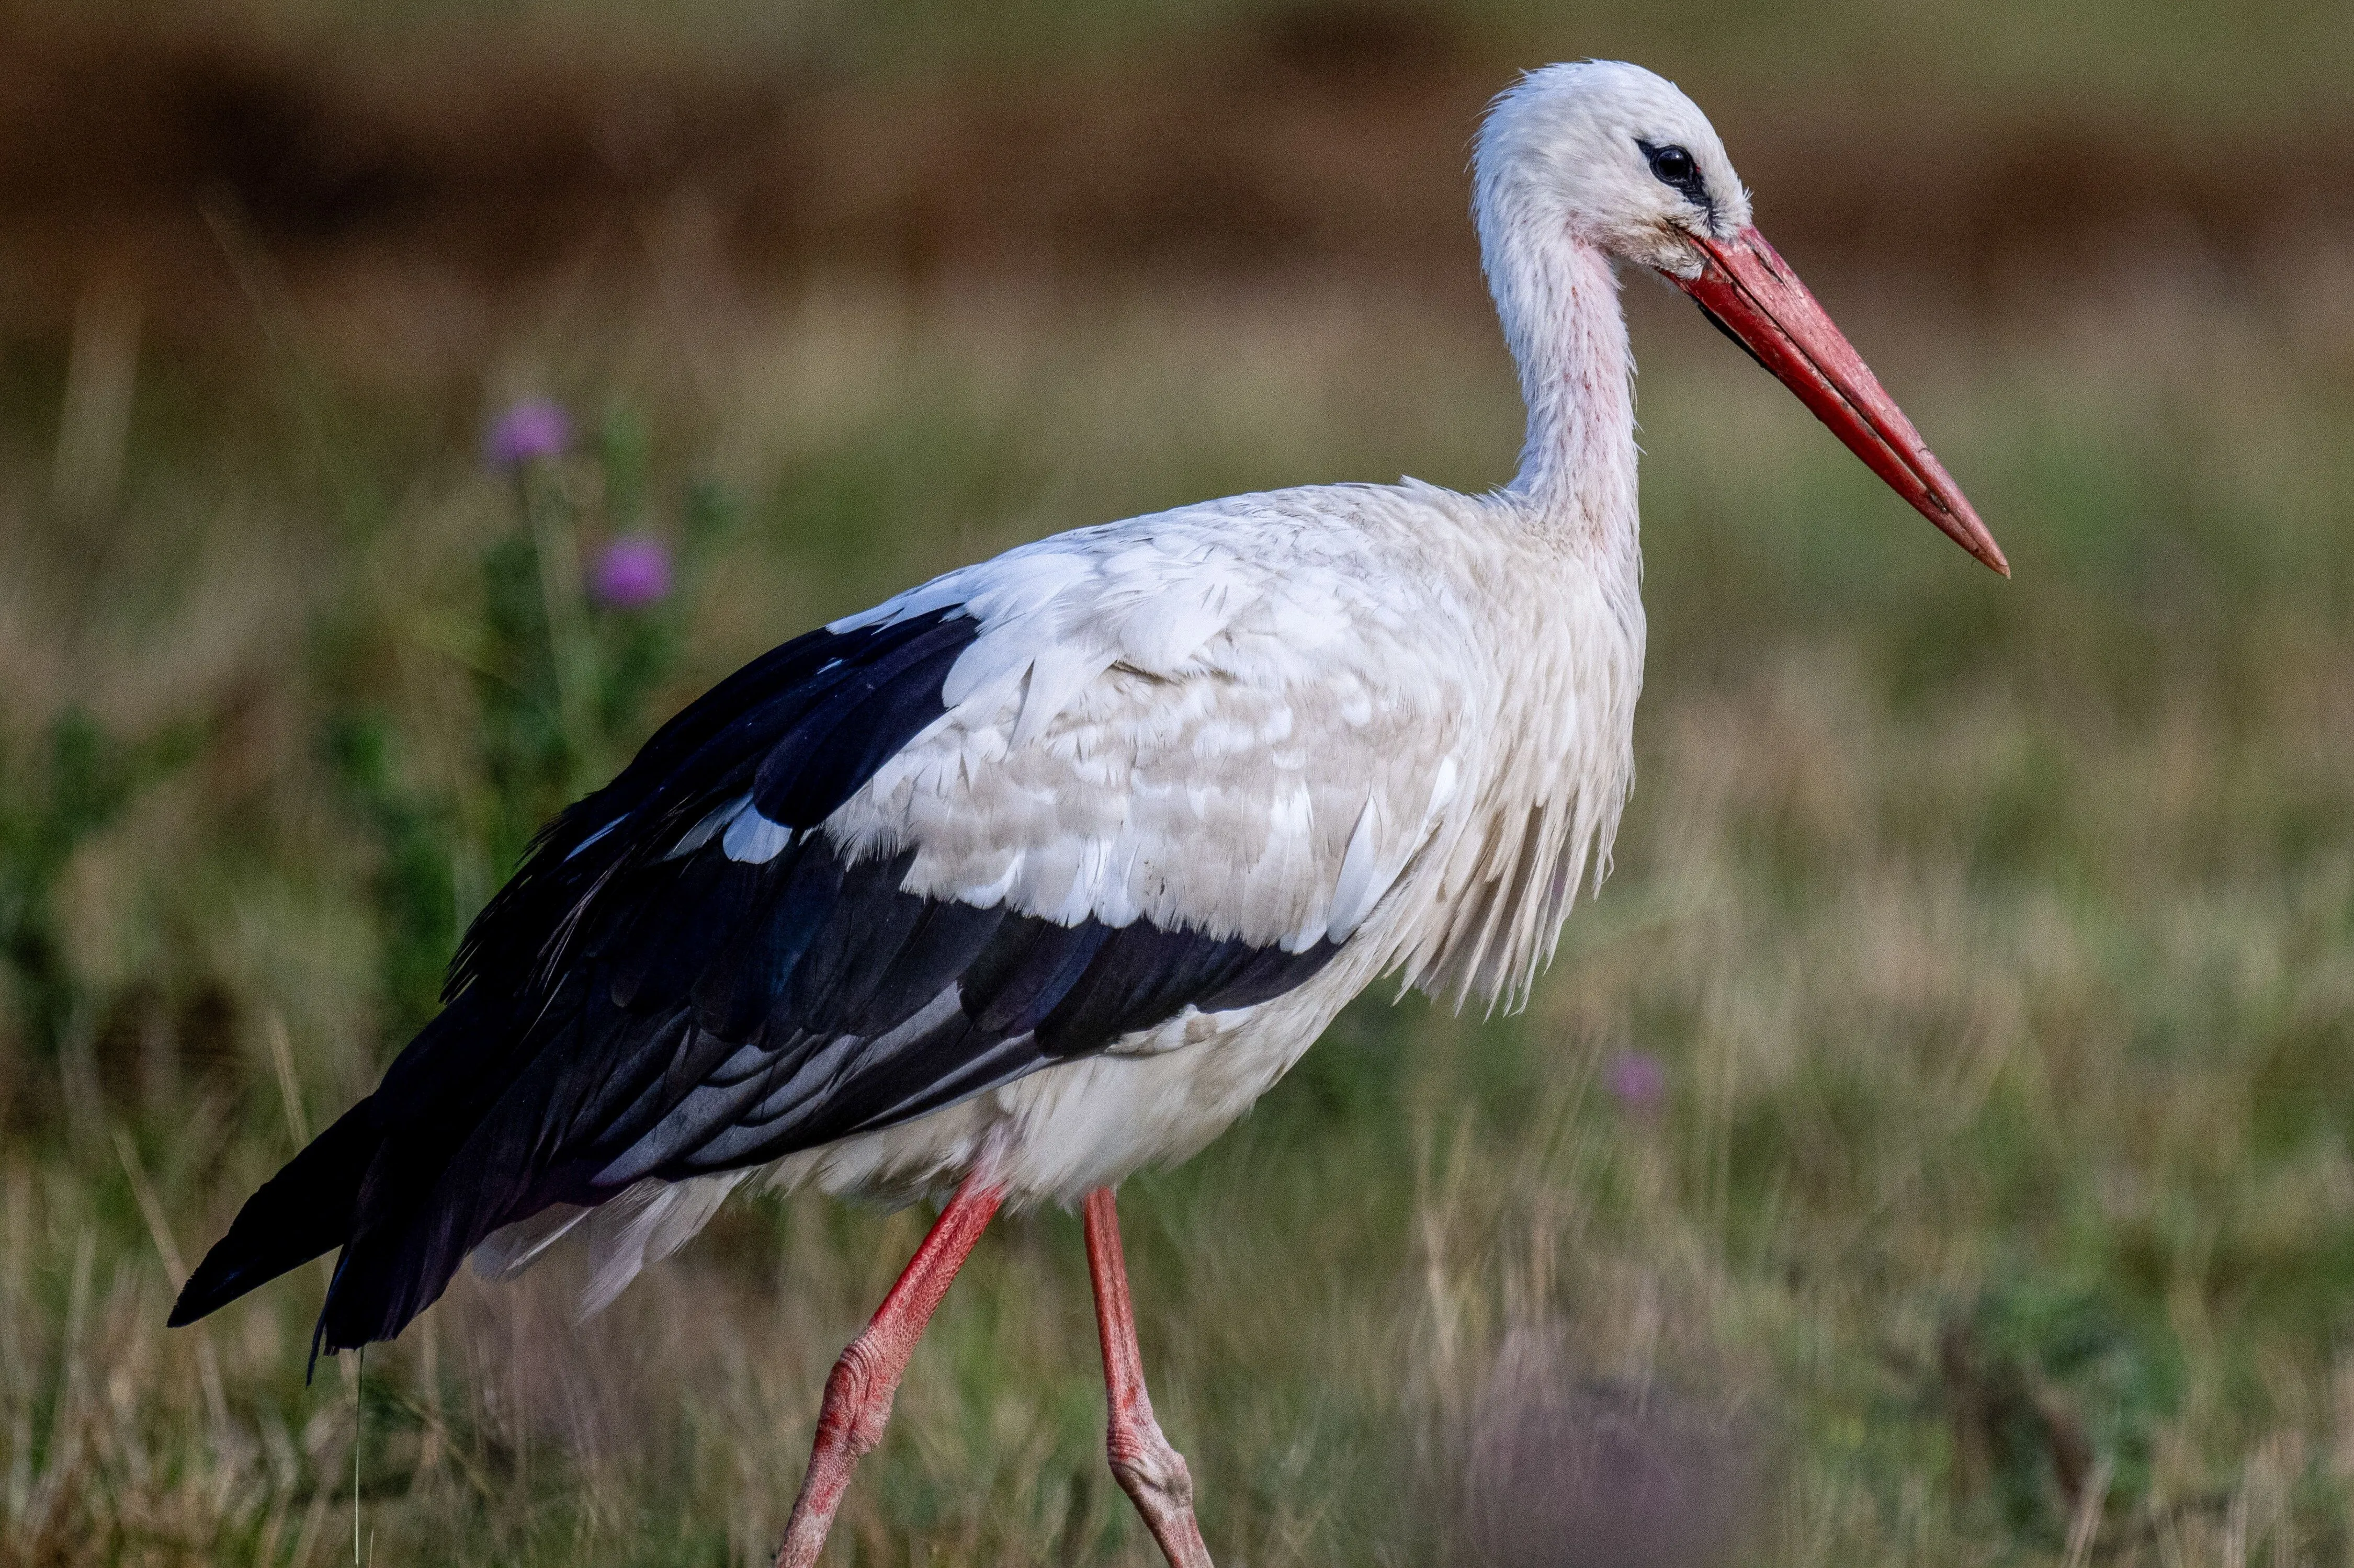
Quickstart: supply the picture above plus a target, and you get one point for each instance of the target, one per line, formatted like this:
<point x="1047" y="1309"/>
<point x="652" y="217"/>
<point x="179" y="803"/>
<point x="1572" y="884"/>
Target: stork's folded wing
<point x="1034" y="811"/>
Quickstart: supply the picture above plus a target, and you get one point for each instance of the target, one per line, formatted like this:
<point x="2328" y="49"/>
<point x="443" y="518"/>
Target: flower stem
<point x="569" y="652"/>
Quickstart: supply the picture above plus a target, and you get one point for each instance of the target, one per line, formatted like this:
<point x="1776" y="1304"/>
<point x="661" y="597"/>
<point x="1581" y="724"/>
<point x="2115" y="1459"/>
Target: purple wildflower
<point x="1638" y="1081"/>
<point x="631" y="572"/>
<point x="530" y="431"/>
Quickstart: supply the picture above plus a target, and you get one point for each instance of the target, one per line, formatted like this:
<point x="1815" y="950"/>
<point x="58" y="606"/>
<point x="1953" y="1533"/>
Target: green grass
<point x="1996" y="940"/>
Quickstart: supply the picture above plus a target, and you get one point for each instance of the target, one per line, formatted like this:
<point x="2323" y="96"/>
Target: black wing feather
<point x="624" y="1010"/>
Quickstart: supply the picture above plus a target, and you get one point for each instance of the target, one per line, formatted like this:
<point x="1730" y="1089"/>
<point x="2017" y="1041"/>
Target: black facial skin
<point x="1677" y="169"/>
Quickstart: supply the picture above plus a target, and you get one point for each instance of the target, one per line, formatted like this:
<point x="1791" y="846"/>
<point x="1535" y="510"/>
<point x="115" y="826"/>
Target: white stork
<point x="1047" y="869"/>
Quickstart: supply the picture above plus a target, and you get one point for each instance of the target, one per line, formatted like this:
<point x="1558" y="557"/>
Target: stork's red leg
<point x="858" y="1395"/>
<point x="1148" y="1469"/>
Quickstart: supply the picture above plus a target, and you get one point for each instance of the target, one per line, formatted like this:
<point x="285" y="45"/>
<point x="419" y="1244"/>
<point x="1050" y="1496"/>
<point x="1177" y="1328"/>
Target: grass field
<point x="1936" y="1146"/>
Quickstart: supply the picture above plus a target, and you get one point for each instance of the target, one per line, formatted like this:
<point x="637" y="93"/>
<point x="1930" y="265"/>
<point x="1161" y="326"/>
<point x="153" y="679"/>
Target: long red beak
<point x="1751" y="293"/>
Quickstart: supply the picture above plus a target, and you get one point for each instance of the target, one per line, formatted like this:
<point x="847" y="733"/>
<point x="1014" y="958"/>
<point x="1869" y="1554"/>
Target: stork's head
<point x="1615" y="156"/>
<point x="1609" y="155"/>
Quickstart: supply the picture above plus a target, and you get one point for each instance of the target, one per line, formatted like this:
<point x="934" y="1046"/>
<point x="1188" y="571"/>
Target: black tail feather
<point x="299" y="1213"/>
<point x="400" y="1261"/>
<point x="380" y="1184"/>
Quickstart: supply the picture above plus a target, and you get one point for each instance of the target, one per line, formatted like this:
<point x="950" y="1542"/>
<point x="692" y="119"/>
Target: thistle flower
<point x="1638" y="1081"/>
<point x="530" y="431"/>
<point x="631" y="572"/>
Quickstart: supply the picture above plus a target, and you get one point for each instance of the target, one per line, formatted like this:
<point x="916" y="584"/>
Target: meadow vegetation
<point x="1934" y="1145"/>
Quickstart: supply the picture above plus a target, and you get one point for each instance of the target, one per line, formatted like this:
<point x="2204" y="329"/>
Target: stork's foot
<point x="849" y="1424"/>
<point x="859" y="1393"/>
<point x="1147" y="1466"/>
<point x="1153" y="1474"/>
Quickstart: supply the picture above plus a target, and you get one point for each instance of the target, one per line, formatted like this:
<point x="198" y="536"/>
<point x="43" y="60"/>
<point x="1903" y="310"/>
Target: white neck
<point x="1558" y="299"/>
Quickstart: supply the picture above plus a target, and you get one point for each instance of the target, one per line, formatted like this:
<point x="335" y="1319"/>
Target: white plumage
<point x="1389" y="716"/>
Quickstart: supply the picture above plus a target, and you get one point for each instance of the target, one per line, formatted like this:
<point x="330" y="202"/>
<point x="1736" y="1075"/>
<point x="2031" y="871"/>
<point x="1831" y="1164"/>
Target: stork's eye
<point x="1676" y="167"/>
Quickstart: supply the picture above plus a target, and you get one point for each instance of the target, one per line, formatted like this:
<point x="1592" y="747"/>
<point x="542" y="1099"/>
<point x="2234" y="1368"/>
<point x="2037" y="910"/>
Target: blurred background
<point x="1932" y="1146"/>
